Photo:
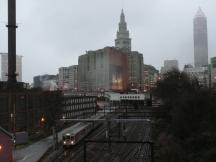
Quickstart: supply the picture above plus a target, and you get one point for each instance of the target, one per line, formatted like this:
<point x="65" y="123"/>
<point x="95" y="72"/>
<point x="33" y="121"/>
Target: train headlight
<point x="72" y="142"/>
<point x="64" y="142"/>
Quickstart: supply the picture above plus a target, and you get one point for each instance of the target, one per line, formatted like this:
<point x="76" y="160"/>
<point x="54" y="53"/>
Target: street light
<point x="42" y="119"/>
<point x="42" y="122"/>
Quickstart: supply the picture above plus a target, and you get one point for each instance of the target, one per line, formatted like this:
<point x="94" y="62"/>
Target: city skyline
<point x="153" y="28"/>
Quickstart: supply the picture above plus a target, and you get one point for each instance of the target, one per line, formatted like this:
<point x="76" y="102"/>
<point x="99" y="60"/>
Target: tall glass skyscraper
<point x="200" y="39"/>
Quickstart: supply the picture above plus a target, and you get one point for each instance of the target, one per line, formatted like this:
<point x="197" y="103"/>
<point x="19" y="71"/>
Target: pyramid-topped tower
<point x="200" y="13"/>
<point x="200" y="39"/>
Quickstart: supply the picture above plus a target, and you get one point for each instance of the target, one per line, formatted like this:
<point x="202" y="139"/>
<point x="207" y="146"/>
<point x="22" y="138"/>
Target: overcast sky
<point x="53" y="33"/>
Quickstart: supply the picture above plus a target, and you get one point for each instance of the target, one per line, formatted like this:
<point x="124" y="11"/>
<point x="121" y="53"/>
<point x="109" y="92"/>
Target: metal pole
<point x="119" y="129"/>
<point x="14" y="122"/>
<point x="55" y="142"/>
<point x="152" y="152"/>
<point x="85" y="159"/>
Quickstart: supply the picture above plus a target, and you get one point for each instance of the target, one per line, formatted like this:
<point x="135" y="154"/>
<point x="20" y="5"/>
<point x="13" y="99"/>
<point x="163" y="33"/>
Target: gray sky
<point x="53" y="33"/>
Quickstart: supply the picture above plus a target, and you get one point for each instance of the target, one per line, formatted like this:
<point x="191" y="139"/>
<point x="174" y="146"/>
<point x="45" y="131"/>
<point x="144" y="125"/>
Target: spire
<point x="123" y="41"/>
<point x="200" y="13"/>
<point x="122" y="18"/>
<point x="123" y="24"/>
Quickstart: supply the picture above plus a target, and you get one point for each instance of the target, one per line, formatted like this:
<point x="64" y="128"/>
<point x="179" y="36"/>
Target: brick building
<point x="22" y="110"/>
<point x="6" y="146"/>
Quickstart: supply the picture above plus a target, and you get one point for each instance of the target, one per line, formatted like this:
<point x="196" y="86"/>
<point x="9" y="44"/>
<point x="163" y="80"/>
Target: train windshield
<point x="66" y="137"/>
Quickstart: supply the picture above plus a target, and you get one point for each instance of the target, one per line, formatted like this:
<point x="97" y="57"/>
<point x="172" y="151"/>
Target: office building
<point x="135" y="70"/>
<point x="103" y="69"/>
<point x="46" y="82"/>
<point x="150" y="77"/>
<point x="169" y="65"/>
<point x="4" y="67"/>
<point x="63" y="78"/>
<point x="68" y="78"/>
<point x="73" y="77"/>
<point x="199" y="73"/>
<point x="78" y="106"/>
<point x="200" y="39"/>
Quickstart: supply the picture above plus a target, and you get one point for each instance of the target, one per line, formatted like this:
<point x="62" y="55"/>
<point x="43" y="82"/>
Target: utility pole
<point x="55" y="138"/>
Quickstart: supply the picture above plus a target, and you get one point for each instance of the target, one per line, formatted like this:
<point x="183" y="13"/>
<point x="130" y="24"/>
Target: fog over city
<point x="53" y="33"/>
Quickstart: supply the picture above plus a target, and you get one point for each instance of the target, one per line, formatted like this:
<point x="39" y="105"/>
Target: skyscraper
<point x="135" y="59"/>
<point x="123" y="41"/>
<point x="169" y="65"/>
<point x="4" y="67"/>
<point x="200" y="39"/>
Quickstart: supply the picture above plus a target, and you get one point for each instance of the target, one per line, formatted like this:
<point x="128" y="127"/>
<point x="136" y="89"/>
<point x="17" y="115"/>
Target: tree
<point x="190" y="119"/>
<point x="52" y="108"/>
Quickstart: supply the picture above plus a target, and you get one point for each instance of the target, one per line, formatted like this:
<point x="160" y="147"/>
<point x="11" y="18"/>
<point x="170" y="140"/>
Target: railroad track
<point x="135" y="152"/>
<point x="101" y="152"/>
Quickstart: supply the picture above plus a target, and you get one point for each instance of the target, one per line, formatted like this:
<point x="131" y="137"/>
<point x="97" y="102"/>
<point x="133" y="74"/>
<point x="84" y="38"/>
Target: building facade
<point x="4" y="67"/>
<point x="78" y="107"/>
<point x="63" y="78"/>
<point x="200" y="39"/>
<point x="213" y="72"/>
<point x="68" y="78"/>
<point x="73" y="77"/>
<point x="135" y="70"/>
<point x="104" y="69"/>
<point x="150" y="77"/>
<point x="169" y="65"/>
<point x="199" y="73"/>
<point x="46" y="82"/>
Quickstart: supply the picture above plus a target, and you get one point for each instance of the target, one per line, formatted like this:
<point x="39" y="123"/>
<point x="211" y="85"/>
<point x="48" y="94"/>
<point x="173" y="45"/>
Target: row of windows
<point x="214" y="65"/>
<point x="80" y="100"/>
<point x="81" y="103"/>
<point x="79" y="106"/>
<point x="79" y="110"/>
<point x="129" y="97"/>
<point x="79" y="113"/>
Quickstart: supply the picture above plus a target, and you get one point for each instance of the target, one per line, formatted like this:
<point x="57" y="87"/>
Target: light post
<point x="75" y="79"/>
<point x="14" y="118"/>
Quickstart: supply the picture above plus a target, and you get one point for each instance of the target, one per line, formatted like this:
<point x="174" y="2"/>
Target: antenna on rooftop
<point x="123" y="4"/>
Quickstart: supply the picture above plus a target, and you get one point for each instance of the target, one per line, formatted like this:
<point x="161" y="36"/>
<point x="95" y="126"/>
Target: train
<point x="80" y="130"/>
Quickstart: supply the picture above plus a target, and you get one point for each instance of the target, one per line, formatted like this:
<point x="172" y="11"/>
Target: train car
<point x="73" y="136"/>
<point x="77" y="133"/>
